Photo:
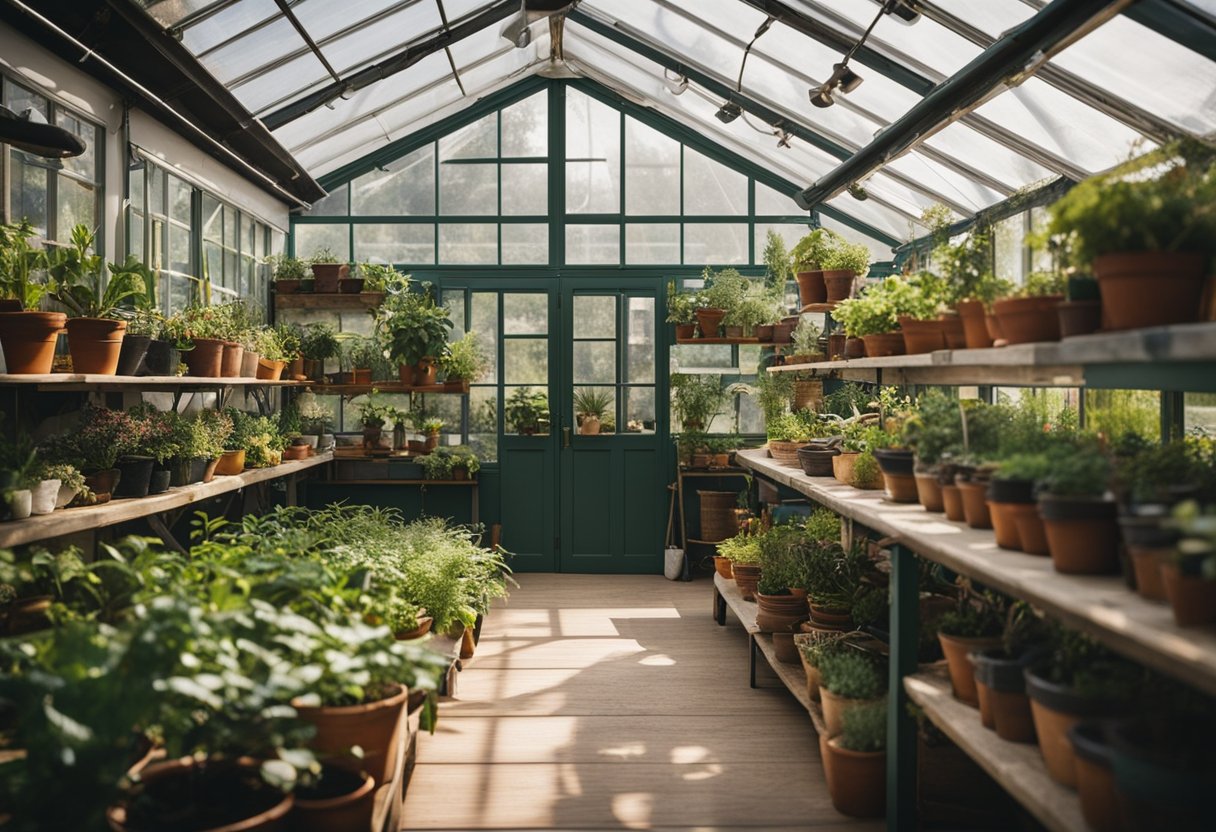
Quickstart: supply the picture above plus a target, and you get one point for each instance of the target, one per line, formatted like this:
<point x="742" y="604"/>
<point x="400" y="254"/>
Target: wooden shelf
<point x="85" y="518"/>
<point x="68" y="382"/>
<point x="401" y="482"/>
<point x="819" y="307"/>
<point x="717" y="341"/>
<point x="1018" y="767"/>
<point x="312" y="300"/>
<point x="384" y="387"/>
<point x="1095" y="360"/>
<point x="1102" y="606"/>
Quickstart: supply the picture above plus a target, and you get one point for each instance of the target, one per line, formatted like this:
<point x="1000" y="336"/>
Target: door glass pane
<point x="594" y="316"/>
<point x="484" y="320"/>
<point x="526" y="361"/>
<point x="594" y="362"/>
<point x="513" y="394"/>
<point x="638" y="410"/>
<point x="639" y="346"/>
<point x="525" y="313"/>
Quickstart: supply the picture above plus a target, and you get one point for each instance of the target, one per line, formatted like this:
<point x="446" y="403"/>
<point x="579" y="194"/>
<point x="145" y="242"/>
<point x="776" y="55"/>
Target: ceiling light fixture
<point x="845" y="80"/>
<point x="730" y="111"/>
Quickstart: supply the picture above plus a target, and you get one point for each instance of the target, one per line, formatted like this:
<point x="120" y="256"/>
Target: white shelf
<point x="85" y="518"/>
<point x="1101" y="606"/>
<point x="1018" y="767"/>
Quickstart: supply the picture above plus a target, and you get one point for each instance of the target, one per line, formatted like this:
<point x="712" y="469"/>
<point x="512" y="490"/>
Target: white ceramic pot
<point x="44" y="496"/>
<point x="19" y="503"/>
<point x="249" y="364"/>
<point x="66" y="495"/>
<point x="313" y="439"/>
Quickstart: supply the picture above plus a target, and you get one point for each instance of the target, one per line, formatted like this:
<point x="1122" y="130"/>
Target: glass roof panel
<point x="386" y="36"/>
<point x="230" y="21"/>
<point x="962" y="142"/>
<point x="322" y="20"/>
<point x="282" y="82"/>
<point x="873" y="214"/>
<point x="251" y="50"/>
<point x="168" y="12"/>
<point x="457" y="9"/>
<point x="945" y="181"/>
<point x="1167" y="79"/>
<point x="992" y="18"/>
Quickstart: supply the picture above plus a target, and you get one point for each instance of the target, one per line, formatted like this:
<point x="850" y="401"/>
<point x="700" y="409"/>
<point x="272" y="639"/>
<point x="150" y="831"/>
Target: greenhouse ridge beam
<point x="391" y="66"/>
<point x="1032" y="42"/>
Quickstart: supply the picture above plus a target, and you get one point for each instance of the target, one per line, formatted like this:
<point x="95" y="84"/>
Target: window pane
<point x="179" y="199"/>
<point x="405" y="243"/>
<point x="878" y="250"/>
<point x="711" y="187"/>
<point x="77" y="204"/>
<point x="657" y="243"/>
<point x="525" y="243"/>
<point x="484" y="320"/>
<point x="213" y="219"/>
<point x="525" y="127"/>
<point x="135" y="235"/>
<point x="137" y="189"/>
<point x="526" y="361"/>
<point x="1009" y="243"/>
<point x="511" y="391"/>
<point x="640" y="341"/>
<point x="334" y="204"/>
<point x="593" y="146"/>
<point x="27" y="191"/>
<point x="594" y="362"/>
<point x="471" y="243"/>
<point x="468" y="189"/>
<point x="525" y="190"/>
<point x="590" y="244"/>
<point x="652" y="171"/>
<point x="715" y="243"/>
<point x="790" y="234"/>
<point x="310" y="237"/>
<point x="525" y="313"/>
<point x="639" y="409"/>
<point x="403" y="187"/>
<point x="770" y="202"/>
<point x="454" y="301"/>
<point x="594" y="316"/>
<point x="1200" y="410"/>
<point x="483" y="422"/>
<point x="478" y="140"/>
<point x="86" y="163"/>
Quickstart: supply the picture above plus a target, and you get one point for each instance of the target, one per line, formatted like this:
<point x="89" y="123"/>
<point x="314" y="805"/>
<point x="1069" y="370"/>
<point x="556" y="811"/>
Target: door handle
<point x="565" y="437"/>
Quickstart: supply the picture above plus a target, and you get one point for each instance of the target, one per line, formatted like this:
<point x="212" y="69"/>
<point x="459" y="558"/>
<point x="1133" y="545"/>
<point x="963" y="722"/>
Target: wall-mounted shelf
<point x="342" y="301"/>
<point x="86" y="518"/>
<point x="1179" y="357"/>
<point x="69" y="382"/>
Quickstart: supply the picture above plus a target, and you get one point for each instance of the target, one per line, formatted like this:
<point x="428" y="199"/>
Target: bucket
<point x="673" y="564"/>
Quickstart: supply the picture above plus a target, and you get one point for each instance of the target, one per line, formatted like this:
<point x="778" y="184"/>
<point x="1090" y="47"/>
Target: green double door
<point x="573" y="500"/>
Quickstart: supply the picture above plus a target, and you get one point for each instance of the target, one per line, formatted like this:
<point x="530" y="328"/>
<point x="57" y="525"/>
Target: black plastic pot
<point x="186" y="471"/>
<point x="1143" y="525"/>
<point x="1065" y="699"/>
<point x="1000" y="671"/>
<point x="1052" y="507"/>
<point x="896" y="461"/>
<point x="161" y="359"/>
<point x="159" y="482"/>
<point x="136" y="476"/>
<point x="1090" y="743"/>
<point x="131" y="356"/>
<point x="1011" y="491"/>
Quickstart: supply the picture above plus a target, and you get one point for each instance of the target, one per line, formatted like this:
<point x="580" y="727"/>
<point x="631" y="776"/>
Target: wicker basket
<point x="785" y="453"/>
<point x="808" y="394"/>
<point x="718" y="518"/>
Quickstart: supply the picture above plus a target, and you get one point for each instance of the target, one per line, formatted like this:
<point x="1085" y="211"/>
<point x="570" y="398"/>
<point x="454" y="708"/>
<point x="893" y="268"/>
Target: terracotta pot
<point x="1095" y="776"/>
<point x="295" y="369"/>
<point x="1000" y="682"/>
<point x="883" y="344"/>
<point x="836" y="345"/>
<point x="350" y="285"/>
<point x="1146" y="564"/>
<point x="132" y="353"/>
<point x="249" y="364"/>
<point x="830" y="618"/>
<point x="708" y="320"/>
<point x="783" y="647"/>
<point x="812" y="678"/>
<point x="854" y="348"/>
<point x="900" y="488"/>
<point x="857" y="781"/>
<point x="962" y="674"/>
<point x="723" y="567"/>
<point x="238" y="785"/>
<point x="929" y="492"/>
<point x="975" y="503"/>
<point x="28" y="340"/>
<point x="747" y="576"/>
<point x="315" y="370"/>
<point x="1082" y="534"/>
<point x="405" y="374"/>
<point x="296" y="452"/>
<point x="95" y="344"/>
<point x="732" y="331"/>
<point x="842" y="466"/>
<point x="685" y="332"/>
<point x="209" y="469"/>
<point x="230" y="362"/>
<point x="811" y="287"/>
<point x="1029" y="320"/>
<point x="782" y="333"/>
<point x="231" y="463"/>
<point x="270" y="370"/>
<point x="341" y="801"/>
<point x="975" y="326"/>
<point x="922" y="336"/>
<point x="373" y="726"/>
<point x="207" y="357"/>
<point x="834" y="708"/>
<point x="1056" y="709"/>
<point x="779" y="613"/>
<point x="993" y="323"/>
<point x="1192" y="597"/>
<point x="1079" y="317"/>
<point x="103" y="482"/>
<point x="764" y="333"/>
<point x="426" y="372"/>
<point x="954" y="332"/>
<point x="1004" y="525"/>
<point x="286" y="287"/>
<point x="424" y="626"/>
<point x="361" y="376"/>
<point x="1149" y="288"/>
<point x="1032" y="535"/>
<point x="784" y="452"/>
<point x="839" y="283"/>
<point x="952" y="502"/>
<point x="328" y="277"/>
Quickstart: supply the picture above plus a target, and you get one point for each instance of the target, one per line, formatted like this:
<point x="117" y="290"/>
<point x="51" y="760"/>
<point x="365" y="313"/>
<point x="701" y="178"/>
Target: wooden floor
<point x="615" y="702"/>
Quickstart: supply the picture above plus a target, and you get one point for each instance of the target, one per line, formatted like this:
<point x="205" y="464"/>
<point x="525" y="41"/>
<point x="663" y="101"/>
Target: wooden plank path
<point x="615" y="702"/>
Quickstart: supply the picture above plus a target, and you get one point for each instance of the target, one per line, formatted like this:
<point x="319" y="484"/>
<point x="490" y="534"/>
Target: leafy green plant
<point x="20" y="262"/>
<point x="852" y="674"/>
<point x="973" y="619"/>
<point x="527" y="410"/>
<point x="776" y="263"/>
<point x="412" y="327"/>
<point x="1029" y="467"/>
<point x="592" y="401"/>
<point x="834" y="573"/>
<point x="373" y="410"/>
<point x="774" y="392"/>
<point x="287" y="268"/>
<point x="823" y="525"/>
<point x="866" y="471"/>
<point x="80" y="283"/>
<point x="742" y="548"/>
<point x="806" y="336"/>
<point x="864" y="728"/>
<point x="681" y="306"/>
<point x="810" y="252"/>
<point x="853" y="257"/>
<point x="376" y="276"/>
<point x="323" y="255"/>
<point x="1042" y="283"/>
<point x="878" y="308"/>
<point x="697" y="399"/>
<point x="1082" y="471"/>
<point x="319" y="342"/>
<point x="724" y="289"/>
<point x="464" y="359"/>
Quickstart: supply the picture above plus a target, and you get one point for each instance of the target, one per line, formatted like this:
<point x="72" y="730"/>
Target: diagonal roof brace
<point x="1011" y="58"/>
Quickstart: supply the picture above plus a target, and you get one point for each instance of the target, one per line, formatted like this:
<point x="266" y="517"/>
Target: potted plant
<point x="316" y="423"/>
<point x="805" y="339"/>
<point x="1189" y="577"/>
<point x="1012" y="503"/>
<point x="28" y="337"/>
<point x="414" y="331"/>
<point x="207" y="332"/>
<point x="743" y="552"/>
<point x="807" y="259"/>
<point x="258" y="437"/>
<point x="288" y="272"/>
<point x="782" y="587"/>
<point x="464" y="362"/>
<point x="1081" y="312"/>
<point x="71" y="481"/>
<point x="465" y="463"/>
<point x="430" y="428"/>
<point x="527" y="411"/>
<point x="976" y="624"/>
<point x="834" y="577"/>
<point x="1079" y="518"/>
<point x="318" y="343"/>
<point x="1029" y="314"/>
<point x="362" y="356"/>
<point x="843" y="265"/>
<point x="169" y="342"/>
<point x="272" y="356"/>
<point x="1141" y="235"/>
<point x="855" y="465"/>
<point x="590" y="405"/>
<point x="143" y="325"/>
<point x="812" y="647"/>
<point x="848" y="679"/>
<point x="855" y="762"/>
<point x="94" y="331"/>
<point x="372" y="413"/>
<point x="723" y="291"/>
<point x="874" y="315"/>
<point x="327" y="271"/>
<point x="696" y="399"/>
<point x="681" y="308"/>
